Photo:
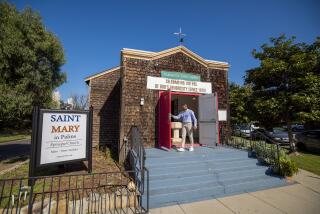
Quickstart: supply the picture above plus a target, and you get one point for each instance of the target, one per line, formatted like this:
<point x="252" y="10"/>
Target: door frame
<point x="187" y="94"/>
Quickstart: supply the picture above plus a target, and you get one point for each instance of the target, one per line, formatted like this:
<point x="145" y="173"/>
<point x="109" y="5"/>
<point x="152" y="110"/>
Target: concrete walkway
<point x="302" y="197"/>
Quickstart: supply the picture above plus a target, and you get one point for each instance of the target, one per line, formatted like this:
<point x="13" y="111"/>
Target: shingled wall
<point x="105" y="99"/>
<point x="134" y="87"/>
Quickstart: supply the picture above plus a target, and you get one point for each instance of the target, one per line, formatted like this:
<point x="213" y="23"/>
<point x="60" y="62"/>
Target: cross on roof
<point x="180" y="35"/>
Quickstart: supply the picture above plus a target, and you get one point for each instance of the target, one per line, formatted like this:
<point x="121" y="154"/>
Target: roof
<point x="87" y="79"/>
<point x="149" y="55"/>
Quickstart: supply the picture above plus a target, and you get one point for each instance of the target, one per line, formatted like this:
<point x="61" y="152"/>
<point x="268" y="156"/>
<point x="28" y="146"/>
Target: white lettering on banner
<point x="64" y="137"/>
<point x="160" y="83"/>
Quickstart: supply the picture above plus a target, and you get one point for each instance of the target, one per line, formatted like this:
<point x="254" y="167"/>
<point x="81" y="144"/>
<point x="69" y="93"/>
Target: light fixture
<point x="141" y="101"/>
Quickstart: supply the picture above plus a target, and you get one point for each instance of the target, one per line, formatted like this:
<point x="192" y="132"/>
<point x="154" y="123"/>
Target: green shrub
<point x="288" y="167"/>
<point x="268" y="154"/>
<point x="258" y="149"/>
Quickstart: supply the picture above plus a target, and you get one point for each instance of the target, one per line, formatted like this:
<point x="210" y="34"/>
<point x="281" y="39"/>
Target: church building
<point x="147" y="86"/>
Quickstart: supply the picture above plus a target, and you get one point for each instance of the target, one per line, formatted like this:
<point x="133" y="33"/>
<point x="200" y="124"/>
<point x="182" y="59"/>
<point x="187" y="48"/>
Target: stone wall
<point x="105" y="99"/>
<point x="134" y="80"/>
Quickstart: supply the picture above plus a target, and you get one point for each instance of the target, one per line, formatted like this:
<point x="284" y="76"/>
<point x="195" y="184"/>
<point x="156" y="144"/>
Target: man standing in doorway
<point x="189" y="122"/>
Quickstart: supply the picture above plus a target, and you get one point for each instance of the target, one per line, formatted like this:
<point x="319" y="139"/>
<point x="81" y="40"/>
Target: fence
<point x="259" y="145"/>
<point x="107" y="192"/>
<point x="111" y="192"/>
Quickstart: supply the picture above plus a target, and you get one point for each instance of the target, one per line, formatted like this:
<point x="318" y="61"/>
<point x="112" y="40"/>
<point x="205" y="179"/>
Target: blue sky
<point x="93" y="32"/>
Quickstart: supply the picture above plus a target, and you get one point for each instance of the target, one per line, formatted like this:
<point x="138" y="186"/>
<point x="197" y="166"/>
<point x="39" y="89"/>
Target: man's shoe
<point x="191" y="149"/>
<point x="180" y="150"/>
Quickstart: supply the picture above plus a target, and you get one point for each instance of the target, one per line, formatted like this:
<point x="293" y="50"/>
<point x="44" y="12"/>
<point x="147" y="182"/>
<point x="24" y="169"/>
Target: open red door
<point x="164" y="120"/>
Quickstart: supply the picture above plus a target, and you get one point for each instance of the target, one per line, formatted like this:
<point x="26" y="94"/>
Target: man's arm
<point x="176" y="117"/>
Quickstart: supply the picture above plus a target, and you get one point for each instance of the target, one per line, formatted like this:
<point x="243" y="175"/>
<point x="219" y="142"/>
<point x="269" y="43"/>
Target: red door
<point x="164" y="120"/>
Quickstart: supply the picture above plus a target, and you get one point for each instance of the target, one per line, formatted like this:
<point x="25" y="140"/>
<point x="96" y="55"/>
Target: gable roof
<point x="87" y="79"/>
<point x="148" y="55"/>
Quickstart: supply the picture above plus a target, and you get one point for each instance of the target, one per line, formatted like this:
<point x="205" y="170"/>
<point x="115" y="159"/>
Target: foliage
<point x="79" y="102"/>
<point x="288" y="167"/>
<point x="269" y="154"/>
<point x="286" y="85"/>
<point x="259" y="149"/>
<point x="30" y="61"/>
<point x="238" y="99"/>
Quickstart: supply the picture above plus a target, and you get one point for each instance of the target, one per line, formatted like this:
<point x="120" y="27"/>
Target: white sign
<point x="64" y="137"/>
<point x="222" y="115"/>
<point x="160" y="83"/>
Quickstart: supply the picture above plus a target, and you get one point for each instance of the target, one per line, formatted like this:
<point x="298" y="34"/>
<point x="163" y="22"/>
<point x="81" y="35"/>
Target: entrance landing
<point x="205" y="173"/>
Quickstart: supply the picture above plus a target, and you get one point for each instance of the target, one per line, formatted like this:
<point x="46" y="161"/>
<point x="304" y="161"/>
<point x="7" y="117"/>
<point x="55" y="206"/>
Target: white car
<point x="245" y="131"/>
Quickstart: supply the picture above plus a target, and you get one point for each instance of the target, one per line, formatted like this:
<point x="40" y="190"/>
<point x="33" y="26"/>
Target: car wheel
<point x="301" y="146"/>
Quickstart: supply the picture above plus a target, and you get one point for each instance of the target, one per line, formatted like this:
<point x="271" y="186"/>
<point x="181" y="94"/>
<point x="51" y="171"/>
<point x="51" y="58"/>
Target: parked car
<point x="270" y="137"/>
<point x="242" y="130"/>
<point x="280" y="136"/>
<point x="309" y="140"/>
<point x="296" y="127"/>
<point x="254" y="125"/>
<point x="262" y="134"/>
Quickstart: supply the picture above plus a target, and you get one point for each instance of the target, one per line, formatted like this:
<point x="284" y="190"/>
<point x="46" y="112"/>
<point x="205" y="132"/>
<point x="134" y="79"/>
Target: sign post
<point x="35" y="116"/>
<point x="60" y="137"/>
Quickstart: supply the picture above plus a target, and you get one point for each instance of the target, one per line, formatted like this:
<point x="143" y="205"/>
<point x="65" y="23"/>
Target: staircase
<point x="183" y="177"/>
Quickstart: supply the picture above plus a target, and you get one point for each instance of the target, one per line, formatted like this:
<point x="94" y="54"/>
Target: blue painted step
<point x="211" y="175"/>
<point x="202" y="171"/>
<point x="192" y="161"/>
<point x="203" y="174"/>
<point x="204" y="165"/>
<point x="207" y="192"/>
<point x="180" y="156"/>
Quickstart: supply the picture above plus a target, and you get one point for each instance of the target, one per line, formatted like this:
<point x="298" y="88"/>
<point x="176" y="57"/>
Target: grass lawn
<point x="12" y="137"/>
<point x="308" y="161"/>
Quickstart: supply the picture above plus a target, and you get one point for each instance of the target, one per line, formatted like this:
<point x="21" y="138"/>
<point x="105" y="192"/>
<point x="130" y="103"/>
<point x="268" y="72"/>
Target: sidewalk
<point x="302" y="197"/>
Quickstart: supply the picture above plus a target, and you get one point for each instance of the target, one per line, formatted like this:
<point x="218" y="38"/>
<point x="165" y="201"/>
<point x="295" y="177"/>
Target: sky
<point x="93" y="32"/>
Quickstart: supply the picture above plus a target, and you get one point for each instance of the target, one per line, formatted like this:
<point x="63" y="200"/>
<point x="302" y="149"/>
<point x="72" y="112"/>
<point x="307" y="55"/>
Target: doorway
<point x="205" y="107"/>
<point x="177" y="100"/>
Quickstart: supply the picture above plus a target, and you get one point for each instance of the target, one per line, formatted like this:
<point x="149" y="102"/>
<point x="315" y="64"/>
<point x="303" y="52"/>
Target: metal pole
<point x="30" y="205"/>
<point x="90" y="140"/>
<point x="34" y="142"/>
<point x="278" y="152"/>
<point x="147" y="189"/>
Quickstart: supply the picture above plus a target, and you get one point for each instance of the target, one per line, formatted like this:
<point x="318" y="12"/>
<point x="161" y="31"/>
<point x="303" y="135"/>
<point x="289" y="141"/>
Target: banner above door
<point x="163" y="84"/>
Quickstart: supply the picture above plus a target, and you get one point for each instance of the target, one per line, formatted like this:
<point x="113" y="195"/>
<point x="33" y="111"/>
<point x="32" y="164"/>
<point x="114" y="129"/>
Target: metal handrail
<point x="264" y="139"/>
<point x="136" y="155"/>
<point x="277" y="161"/>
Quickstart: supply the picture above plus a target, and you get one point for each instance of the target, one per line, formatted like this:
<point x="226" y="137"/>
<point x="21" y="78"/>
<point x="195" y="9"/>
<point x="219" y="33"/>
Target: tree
<point x="286" y="85"/>
<point x="79" y="102"/>
<point x="239" y="99"/>
<point x="30" y="64"/>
